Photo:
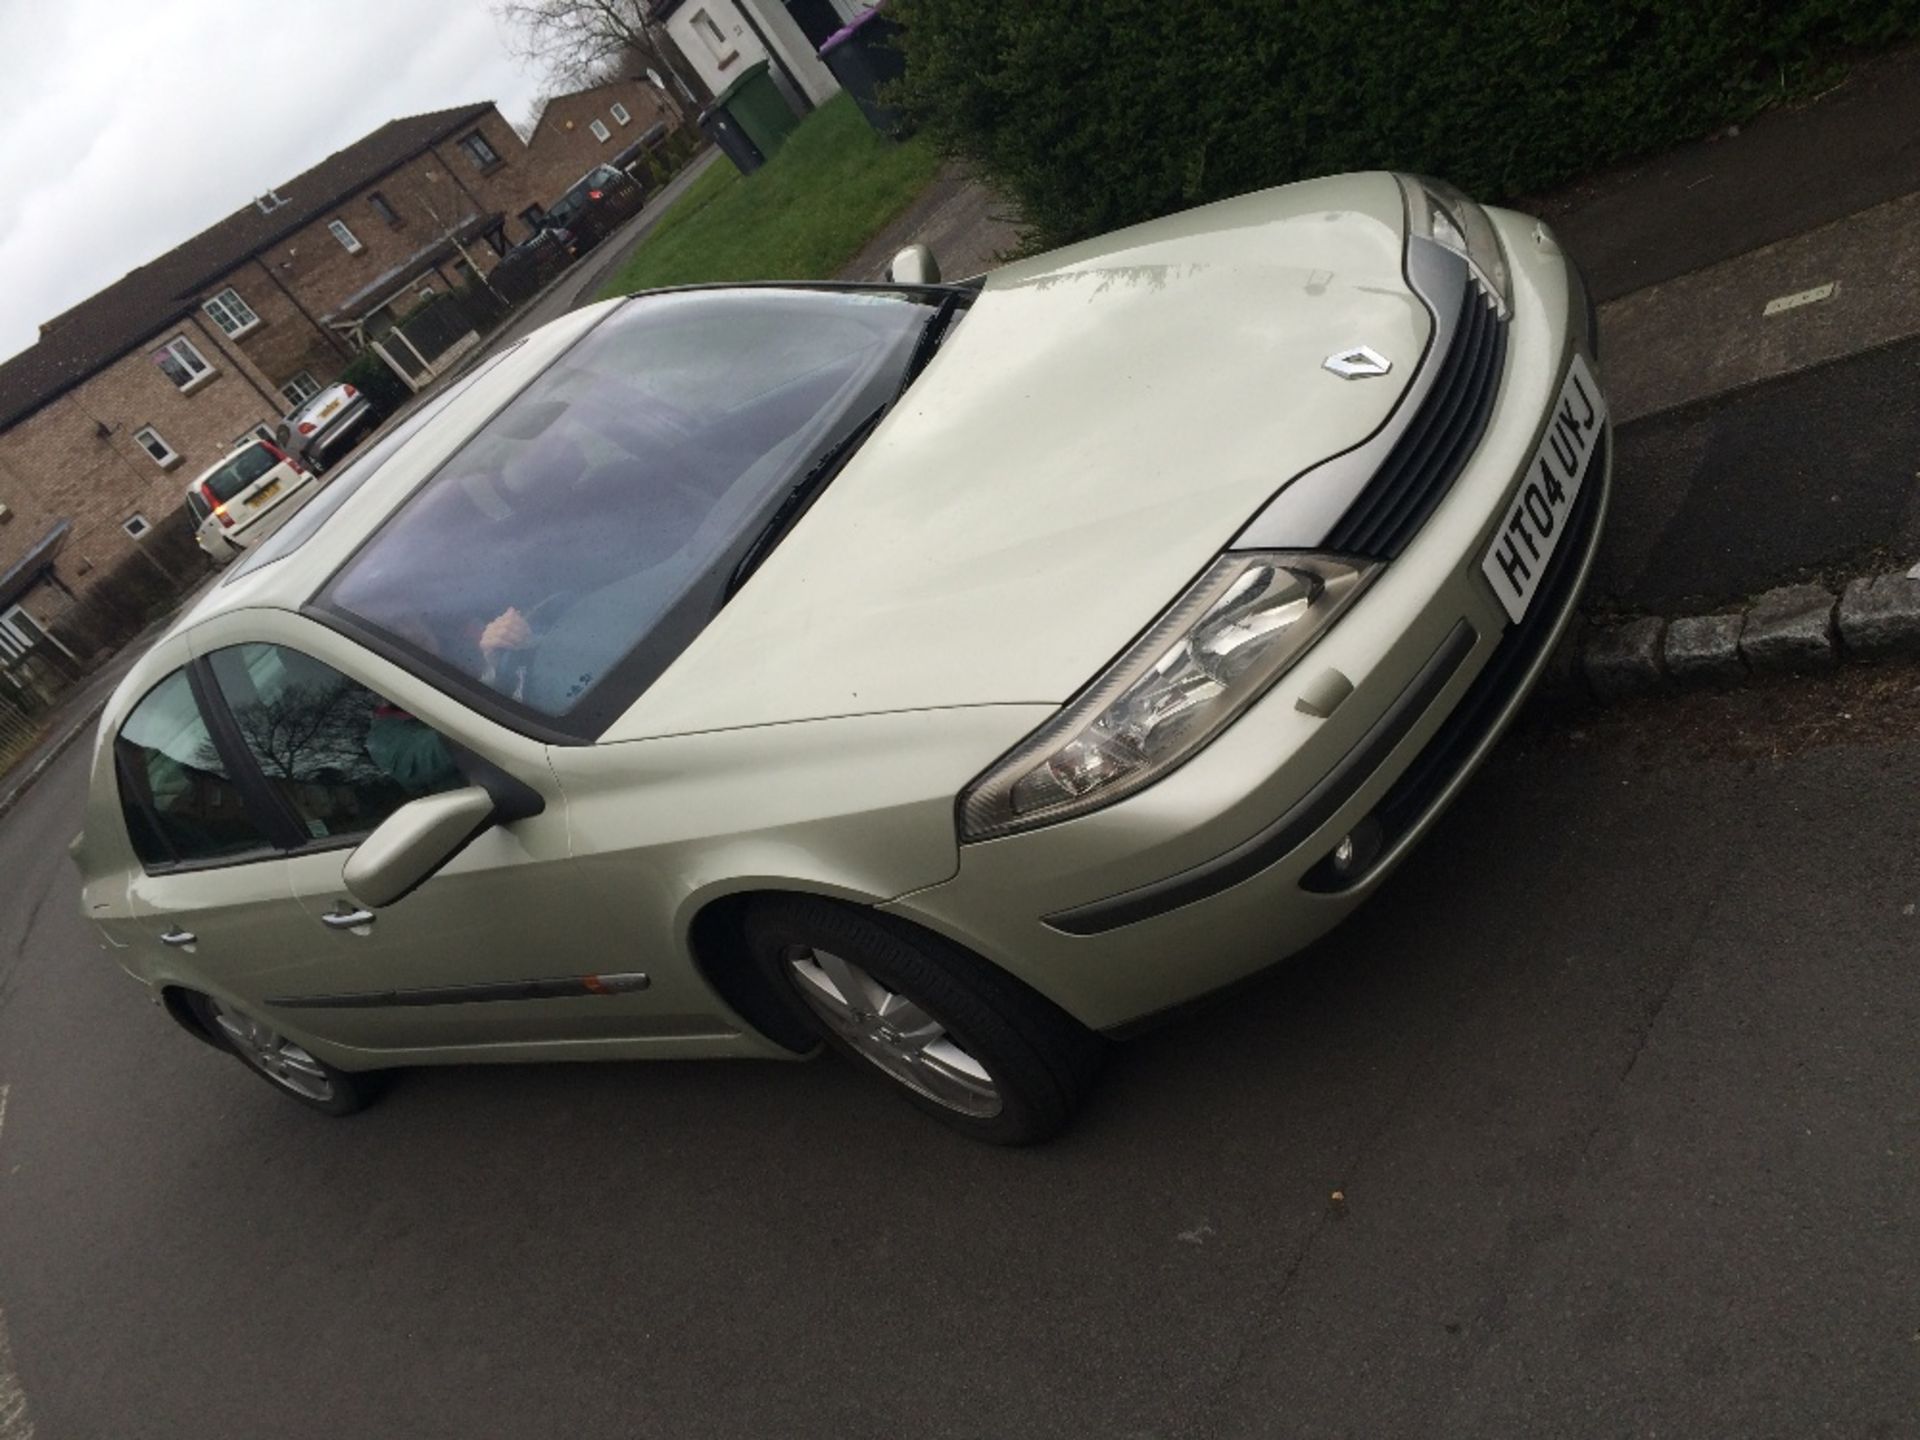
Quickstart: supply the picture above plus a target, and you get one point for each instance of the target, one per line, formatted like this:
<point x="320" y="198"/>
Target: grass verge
<point x="801" y="216"/>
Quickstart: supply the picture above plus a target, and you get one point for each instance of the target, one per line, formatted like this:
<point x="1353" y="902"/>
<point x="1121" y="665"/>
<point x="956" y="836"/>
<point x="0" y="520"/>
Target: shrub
<point x="374" y="378"/>
<point x="1091" y="114"/>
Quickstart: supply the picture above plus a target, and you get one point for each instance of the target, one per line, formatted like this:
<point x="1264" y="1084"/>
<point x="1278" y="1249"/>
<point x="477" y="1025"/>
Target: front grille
<point x="1430" y="454"/>
<point x="1460" y="734"/>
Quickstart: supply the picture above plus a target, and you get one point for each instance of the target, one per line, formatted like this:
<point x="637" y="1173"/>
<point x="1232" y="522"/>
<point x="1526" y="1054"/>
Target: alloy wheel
<point x="893" y="1032"/>
<point x="272" y="1054"/>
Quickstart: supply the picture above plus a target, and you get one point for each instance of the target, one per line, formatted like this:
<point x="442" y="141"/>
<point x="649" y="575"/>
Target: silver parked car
<point x="956" y="674"/>
<point x="321" y="430"/>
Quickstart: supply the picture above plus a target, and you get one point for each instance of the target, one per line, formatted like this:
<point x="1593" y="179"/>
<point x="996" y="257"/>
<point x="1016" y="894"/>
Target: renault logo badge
<point x="1359" y="363"/>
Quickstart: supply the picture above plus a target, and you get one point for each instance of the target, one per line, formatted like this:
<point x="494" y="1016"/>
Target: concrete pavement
<point x="1616" y="1079"/>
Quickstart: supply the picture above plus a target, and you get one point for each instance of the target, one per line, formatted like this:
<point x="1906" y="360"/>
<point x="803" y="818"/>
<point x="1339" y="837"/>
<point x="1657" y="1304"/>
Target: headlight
<point x="1249" y="618"/>
<point x="1438" y="212"/>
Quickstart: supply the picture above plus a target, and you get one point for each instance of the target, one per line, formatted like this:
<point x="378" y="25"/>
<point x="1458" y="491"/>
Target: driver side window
<point x="341" y="757"/>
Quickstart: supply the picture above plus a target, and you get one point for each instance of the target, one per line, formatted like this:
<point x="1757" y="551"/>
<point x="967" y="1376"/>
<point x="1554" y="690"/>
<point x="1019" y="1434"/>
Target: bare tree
<point x="578" y="43"/>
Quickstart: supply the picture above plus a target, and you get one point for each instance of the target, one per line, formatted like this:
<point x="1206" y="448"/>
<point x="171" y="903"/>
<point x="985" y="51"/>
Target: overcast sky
<point x="126" y="127"/>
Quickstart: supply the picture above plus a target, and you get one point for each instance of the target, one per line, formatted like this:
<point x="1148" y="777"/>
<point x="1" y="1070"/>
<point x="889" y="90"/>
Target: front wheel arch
<point x="717" y="938"/>
<point x="174" y="1000"/>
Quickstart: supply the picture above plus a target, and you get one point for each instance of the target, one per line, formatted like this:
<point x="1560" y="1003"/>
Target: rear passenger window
<point x="180" y="803"/>
<point x="341" y="757"/>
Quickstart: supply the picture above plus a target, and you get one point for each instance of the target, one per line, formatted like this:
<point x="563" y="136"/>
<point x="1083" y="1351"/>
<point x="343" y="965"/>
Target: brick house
<point x="129" y="394"/>
<point x="616" y="123"/>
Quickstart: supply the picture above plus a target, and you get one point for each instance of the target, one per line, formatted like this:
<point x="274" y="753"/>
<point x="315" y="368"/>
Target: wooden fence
<point x="18" y="729"/>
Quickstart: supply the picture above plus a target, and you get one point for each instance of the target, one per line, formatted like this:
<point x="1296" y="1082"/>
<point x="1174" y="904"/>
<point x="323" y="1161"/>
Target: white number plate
<point x="1526" y="540"/>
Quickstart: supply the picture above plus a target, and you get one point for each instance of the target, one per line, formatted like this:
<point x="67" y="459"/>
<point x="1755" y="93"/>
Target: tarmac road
<point x="1617" y="1078"/>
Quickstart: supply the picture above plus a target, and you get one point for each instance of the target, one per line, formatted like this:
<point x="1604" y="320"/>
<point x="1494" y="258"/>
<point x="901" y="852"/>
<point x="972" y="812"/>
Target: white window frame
<point x="299" y="388"/>
<point x="146" y="437"/>
<point x="146" y="526"/>
<point x="600" y="131"/>
<point x="349" y="241"/>
<point x="621" y="113"/>
<point x="199" y="372"/>
<point x="232" y="314"/>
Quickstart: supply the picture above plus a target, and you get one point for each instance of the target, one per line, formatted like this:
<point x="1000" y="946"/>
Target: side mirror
<point x="414" y="842"/>
<point x="914" y="265"/>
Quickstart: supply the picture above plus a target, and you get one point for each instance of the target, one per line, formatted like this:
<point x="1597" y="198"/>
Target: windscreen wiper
<point x="798" y="499"/>
<point x="930" y="337"/>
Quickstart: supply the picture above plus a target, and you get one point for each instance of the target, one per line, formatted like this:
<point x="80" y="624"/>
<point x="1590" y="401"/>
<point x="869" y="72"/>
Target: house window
<point x="533" y="215"/>
<point x="708" y="31"/>
<point x="622" y="114"/>
<point x="231" y="313"/>
<point x="479" y="151"/>
<point x="163" y="454"/>
<point x="135" y="526"/>
<point x="381" y="208"/>
<point x="345" y="236"/>
<point x="600" y="131"/>
<point x="182" y="364"/>
<point x="300" y="388"/>
<point x="270" y="202"/>
<point x="496" y="237"/>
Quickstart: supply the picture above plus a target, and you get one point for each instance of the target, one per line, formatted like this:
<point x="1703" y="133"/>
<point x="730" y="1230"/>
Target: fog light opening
<point x="1356" y="852"/>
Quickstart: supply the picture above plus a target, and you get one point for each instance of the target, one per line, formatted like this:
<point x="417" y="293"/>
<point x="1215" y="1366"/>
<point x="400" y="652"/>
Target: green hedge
<point x="1097" y="113"/>
<point x="374" y="378"/>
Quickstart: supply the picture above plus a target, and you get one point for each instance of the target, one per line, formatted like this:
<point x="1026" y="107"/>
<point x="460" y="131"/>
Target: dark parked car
<point x="593" y="207"/>
<point x="531" y="263"/>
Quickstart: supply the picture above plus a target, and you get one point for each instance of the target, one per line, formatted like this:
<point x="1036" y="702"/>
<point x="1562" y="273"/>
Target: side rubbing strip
<point x="565" y="987"/>
<point x="1312" y="811"/>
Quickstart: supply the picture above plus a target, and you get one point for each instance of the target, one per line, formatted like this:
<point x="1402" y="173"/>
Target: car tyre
<point x="959" y="1038"/>
<point x="286" y="1066"/>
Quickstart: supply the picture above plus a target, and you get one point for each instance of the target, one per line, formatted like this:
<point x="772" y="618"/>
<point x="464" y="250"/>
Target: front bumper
<point x="1217" y="870"/>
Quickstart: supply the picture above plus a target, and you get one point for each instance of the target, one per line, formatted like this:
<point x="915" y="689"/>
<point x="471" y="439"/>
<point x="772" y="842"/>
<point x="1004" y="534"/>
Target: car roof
<point x="288" y="583"/>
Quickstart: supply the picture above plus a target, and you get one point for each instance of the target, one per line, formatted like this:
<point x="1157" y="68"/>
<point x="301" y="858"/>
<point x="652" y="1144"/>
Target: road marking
<point x="14" y="1421"/>
<point x="1800" y="297"/>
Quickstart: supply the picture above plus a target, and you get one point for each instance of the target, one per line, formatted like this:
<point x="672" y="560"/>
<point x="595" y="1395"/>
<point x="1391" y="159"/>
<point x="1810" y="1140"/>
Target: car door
<point x="213" y="893"/>
<point x="506" y="945"/>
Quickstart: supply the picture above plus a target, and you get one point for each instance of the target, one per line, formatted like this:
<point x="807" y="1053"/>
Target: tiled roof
<point x="104" y="326"/>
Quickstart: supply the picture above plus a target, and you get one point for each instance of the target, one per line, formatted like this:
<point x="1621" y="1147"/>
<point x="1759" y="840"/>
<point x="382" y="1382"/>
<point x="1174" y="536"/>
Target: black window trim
<point x="472" y="694"/>
<point x="236" y="775"/>
<point x="268" y="811"/>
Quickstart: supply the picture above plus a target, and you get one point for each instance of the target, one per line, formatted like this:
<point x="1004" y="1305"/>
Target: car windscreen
<point x="343" y="484"/>
<point x="239" y="472"/>
<point x="561" y="559"/>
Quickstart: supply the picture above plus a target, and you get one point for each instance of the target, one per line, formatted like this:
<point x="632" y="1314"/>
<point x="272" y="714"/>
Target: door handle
<point x="178" y="937"/>
<point x="342" y="918"/>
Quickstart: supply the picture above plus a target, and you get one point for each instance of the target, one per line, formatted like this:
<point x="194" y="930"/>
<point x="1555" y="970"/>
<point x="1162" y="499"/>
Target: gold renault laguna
<point x="960" y="675"/>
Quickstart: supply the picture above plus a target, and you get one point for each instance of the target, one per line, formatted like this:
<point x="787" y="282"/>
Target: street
<point x="1615" y="1080"/>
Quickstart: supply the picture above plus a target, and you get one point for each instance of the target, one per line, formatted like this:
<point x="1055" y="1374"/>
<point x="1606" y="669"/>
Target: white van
<point x="246" y="497"/>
